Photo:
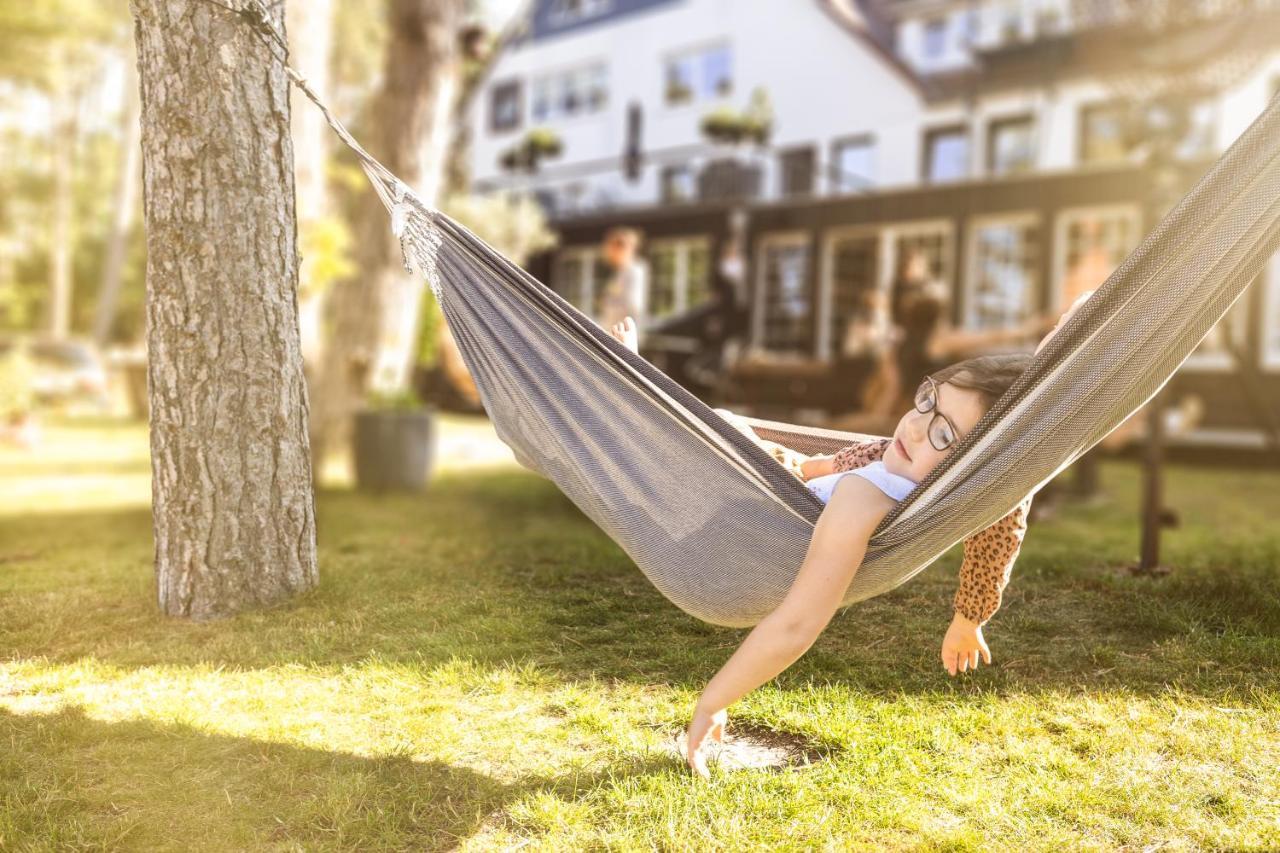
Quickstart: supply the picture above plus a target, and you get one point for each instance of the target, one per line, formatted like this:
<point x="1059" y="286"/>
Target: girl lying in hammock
<point x="949" y="404"/>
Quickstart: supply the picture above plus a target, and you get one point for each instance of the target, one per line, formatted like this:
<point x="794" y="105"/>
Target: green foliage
<point x="326" y="254"/>
<point x="400" y="400"/>
<point x="538" y="144"/>
<point x="430" y="324"/>
<point x="729" y="125"/>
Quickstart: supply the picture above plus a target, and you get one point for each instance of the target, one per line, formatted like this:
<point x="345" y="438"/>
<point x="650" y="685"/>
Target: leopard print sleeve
<point x="860" y="454"/>
<point x="989" y="556"/>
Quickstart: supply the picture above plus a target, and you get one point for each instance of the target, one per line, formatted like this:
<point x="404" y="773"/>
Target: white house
<point x="987" y="134"/>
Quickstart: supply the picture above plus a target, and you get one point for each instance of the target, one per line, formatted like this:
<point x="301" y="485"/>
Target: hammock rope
<point x="717" y="524"/>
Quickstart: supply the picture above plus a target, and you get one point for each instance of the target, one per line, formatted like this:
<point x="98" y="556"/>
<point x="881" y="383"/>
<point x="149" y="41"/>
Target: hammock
<point x="716" y="524"/>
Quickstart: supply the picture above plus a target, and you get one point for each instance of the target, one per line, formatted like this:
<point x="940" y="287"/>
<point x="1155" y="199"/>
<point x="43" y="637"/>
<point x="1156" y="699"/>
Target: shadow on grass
<point x="79" y="782"/>
<point x="499" y="567"/>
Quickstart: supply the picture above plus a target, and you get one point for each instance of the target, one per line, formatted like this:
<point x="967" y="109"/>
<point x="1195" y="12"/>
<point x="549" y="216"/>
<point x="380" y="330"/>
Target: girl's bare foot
<point x="626" y="334"/>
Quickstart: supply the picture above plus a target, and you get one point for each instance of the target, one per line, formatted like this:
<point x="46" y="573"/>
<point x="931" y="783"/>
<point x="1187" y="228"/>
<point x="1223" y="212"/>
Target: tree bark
<point x="231" y="475"/>
<point x="375" y="313"/>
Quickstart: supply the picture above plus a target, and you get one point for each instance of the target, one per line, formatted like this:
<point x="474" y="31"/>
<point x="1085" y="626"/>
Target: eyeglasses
<point x="942" y="432"/>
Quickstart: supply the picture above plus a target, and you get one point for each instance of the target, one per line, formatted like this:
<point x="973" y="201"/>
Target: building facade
<point x="993" y="138"/>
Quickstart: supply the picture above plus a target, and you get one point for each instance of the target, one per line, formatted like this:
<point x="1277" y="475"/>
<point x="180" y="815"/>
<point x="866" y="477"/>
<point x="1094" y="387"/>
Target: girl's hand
<point x="704" y="723"/>
<point x="962" y="646"/>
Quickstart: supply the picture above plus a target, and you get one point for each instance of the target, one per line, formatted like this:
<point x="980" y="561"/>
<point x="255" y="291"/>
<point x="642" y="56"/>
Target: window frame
<point x="1062" y="220"/>
<point x="556" y="77"/>
<point x="793" y="237"/>
<point x="1082" y="128"/>
<point x="926" y="160"/>
<point x="998" y="123"/>
<point x="975" y="225"/>
<point x="837" y="175"/>
<point x="935" y="24"/>
<point x="888" y="235"/>
<point x="513" y="83"/>
<point x="682" y="244"/>
<point x="696" y="52"/>
<point x="592" y="254"/>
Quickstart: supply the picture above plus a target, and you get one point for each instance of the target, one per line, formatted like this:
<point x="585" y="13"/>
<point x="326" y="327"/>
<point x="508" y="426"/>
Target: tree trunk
<point x="231" y="474"/>
<point x="375" y="313"/>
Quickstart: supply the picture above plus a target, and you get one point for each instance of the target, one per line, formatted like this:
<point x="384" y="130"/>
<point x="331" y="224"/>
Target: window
<point x="972" y="26"/>
<point x="504" y="106"/>
<point x="935" y="38"/>
<point x="1088" y="246"/>
<point x="854" y="284"/>
<point x="853" y="164"/>
<point x="679" y="275"/>
<point x="1202" y="125"/>
<point x="784" y="304"/>
<point x="1011" y="146"/>
<point x="946" y="154"/>
<point x="1102" y="137"/>
<point x="678" y="184"/>
<point x="564" y="12"/>
<point x="1003" y="283"/>
<point x="577" y="275"/>
<point x="1091" y="243"/>
<point x="699" y="75"/>
<point x="795" y="170"/>
<point x="858" y="277"/>
<point x="566" y="94"/>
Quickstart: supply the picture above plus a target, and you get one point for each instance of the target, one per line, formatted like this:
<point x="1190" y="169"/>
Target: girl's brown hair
<point x="989" y="375"/>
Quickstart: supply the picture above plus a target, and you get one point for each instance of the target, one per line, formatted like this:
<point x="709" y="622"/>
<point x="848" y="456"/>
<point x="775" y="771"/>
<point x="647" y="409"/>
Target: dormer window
<point x="935" y="38"/>
<point x="564" y="12"/>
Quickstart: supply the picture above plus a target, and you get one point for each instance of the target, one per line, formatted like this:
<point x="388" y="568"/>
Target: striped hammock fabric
<point x="716" y="524"/>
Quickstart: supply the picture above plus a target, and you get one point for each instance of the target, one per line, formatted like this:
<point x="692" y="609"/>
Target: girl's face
<point x="910" y="454"/>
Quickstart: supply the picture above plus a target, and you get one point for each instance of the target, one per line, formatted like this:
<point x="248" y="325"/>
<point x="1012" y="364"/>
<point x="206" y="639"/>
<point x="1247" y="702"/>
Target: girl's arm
<point x="835" y="552"/>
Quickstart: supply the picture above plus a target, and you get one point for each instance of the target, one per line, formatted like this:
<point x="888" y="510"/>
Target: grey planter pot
<point x="393" y="449"/>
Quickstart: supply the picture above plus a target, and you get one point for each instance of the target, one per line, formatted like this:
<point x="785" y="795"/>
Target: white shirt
<point x="886" y="481"/>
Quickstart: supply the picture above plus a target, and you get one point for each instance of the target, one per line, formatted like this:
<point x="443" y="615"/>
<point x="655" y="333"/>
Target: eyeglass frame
<point x="933" y="389"/>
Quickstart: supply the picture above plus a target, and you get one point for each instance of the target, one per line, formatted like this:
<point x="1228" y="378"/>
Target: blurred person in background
<point x="626" y="292"/>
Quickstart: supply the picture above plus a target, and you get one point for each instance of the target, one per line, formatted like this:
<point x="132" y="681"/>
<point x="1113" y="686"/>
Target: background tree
<point x="374" y="313"/>
<point x="231" y="476"/>
<point x="57" y="49"/>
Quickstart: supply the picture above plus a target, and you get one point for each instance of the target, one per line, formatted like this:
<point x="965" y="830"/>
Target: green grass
<point x="481" y="668"/>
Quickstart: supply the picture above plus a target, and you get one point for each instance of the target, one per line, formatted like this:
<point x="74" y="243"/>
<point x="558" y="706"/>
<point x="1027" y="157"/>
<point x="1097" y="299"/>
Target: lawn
<point x="481" y="668"/>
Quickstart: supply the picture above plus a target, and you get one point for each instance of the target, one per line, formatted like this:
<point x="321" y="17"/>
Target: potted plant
<point x="723" y="125"/>
<point x="729" y="126"/>
<point x="678" y="92"/>
<point x="538" y="144"/>
<point x="393" y="442"/>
